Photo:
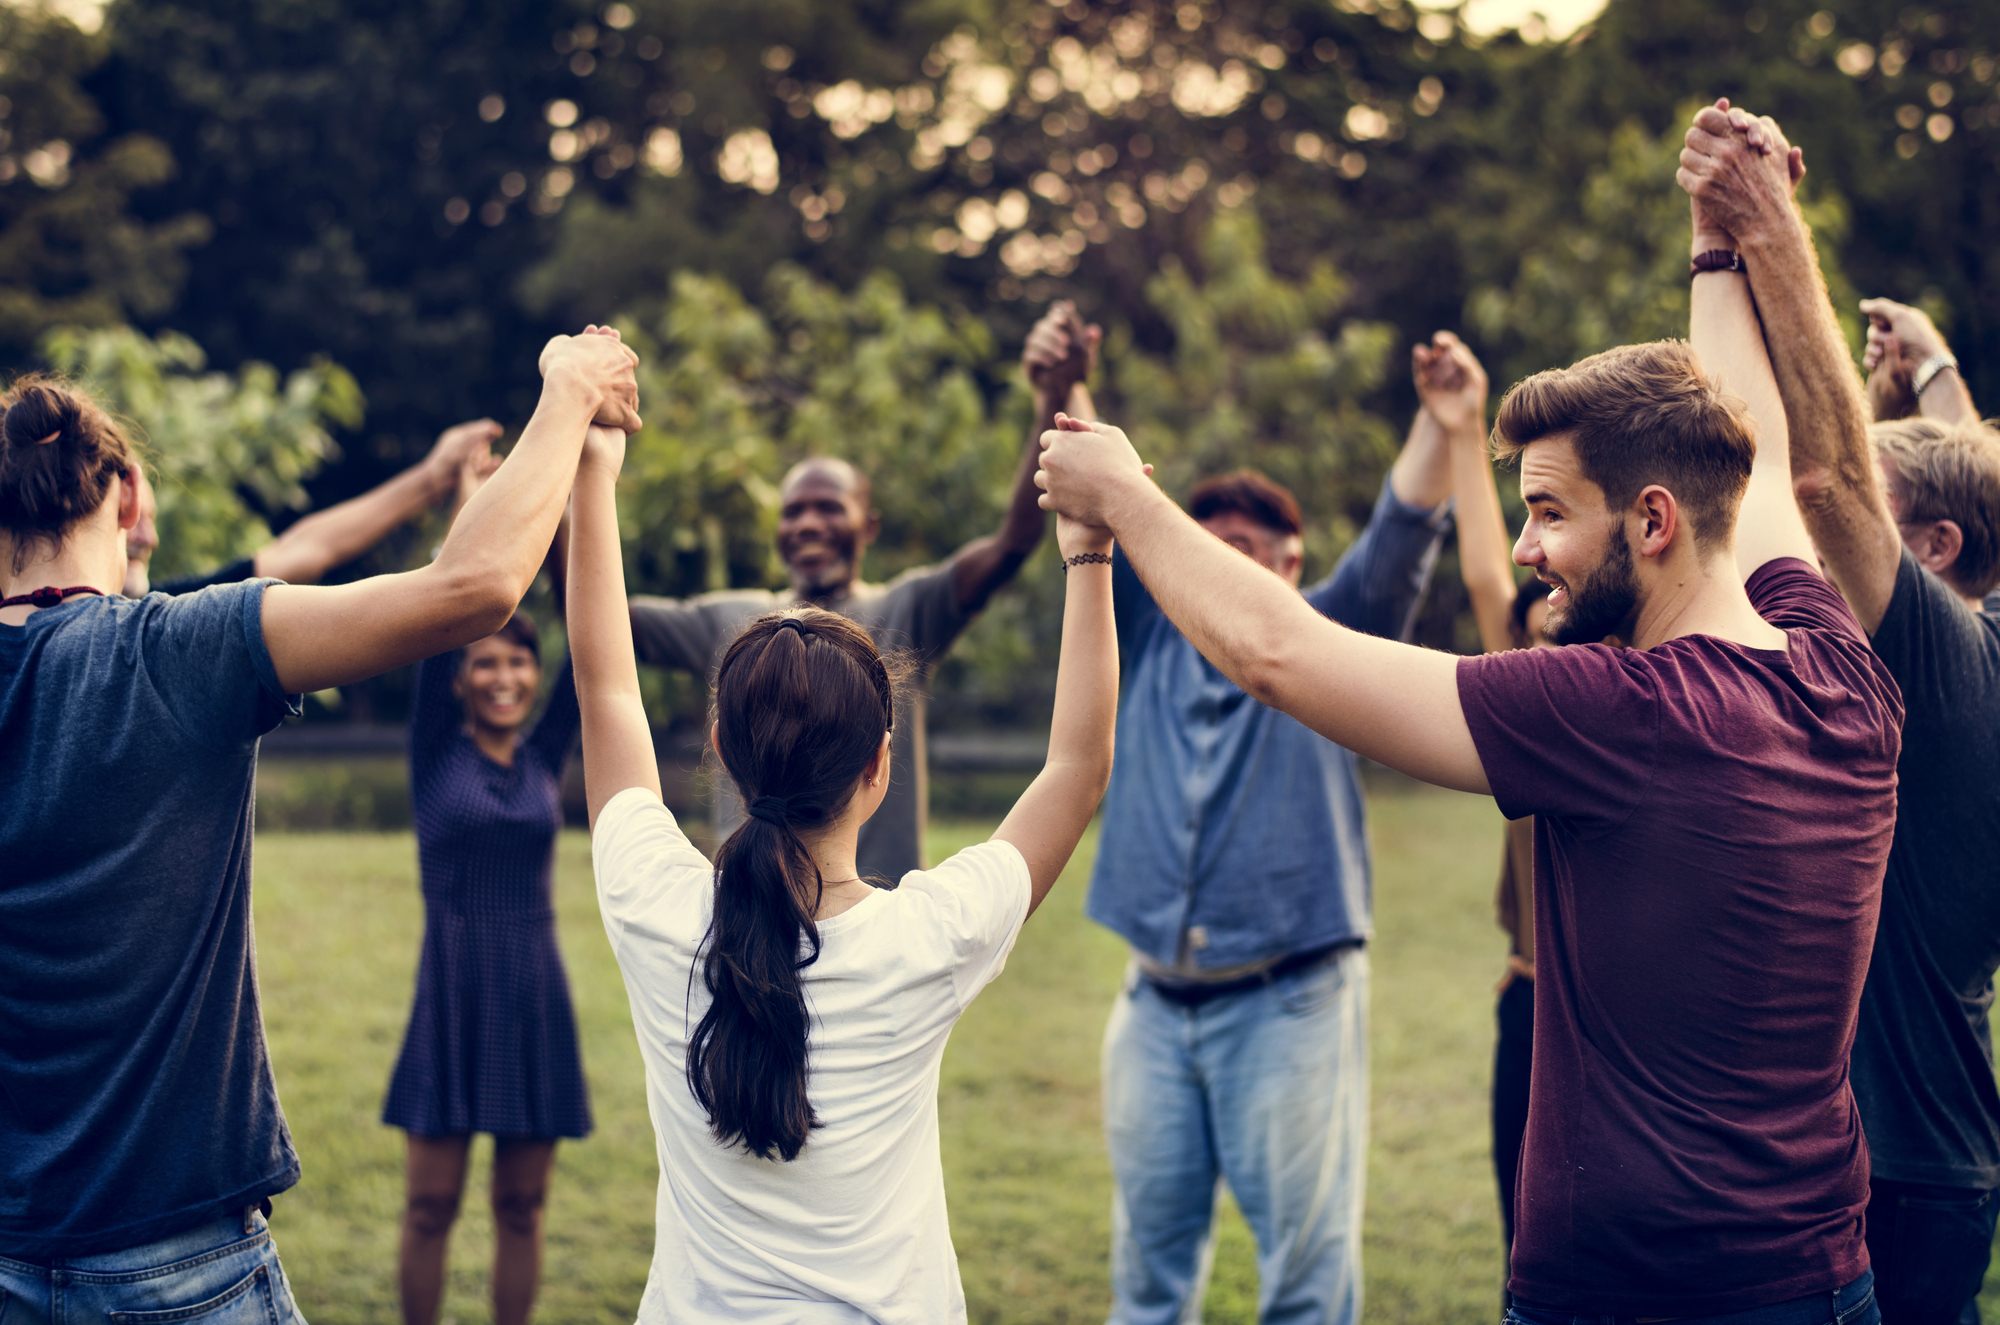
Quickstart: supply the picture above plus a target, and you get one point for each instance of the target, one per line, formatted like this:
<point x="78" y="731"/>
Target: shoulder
<point x="722" y="604"/>
<point x="1791" y="595"/>
<point x="974" y="885"/>
<point x="640" y="854"/>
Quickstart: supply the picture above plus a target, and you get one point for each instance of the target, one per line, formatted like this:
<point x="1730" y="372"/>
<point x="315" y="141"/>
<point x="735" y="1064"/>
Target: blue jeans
<point x="224" y="1273"/>
<point x="1266" y="1089"/>
<point x="1853" y="1304"/>
<point x="1930" y="1247"/>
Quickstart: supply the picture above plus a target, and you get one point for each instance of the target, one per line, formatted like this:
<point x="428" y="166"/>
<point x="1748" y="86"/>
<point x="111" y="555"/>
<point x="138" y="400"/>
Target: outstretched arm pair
<point x="334" y="635"/>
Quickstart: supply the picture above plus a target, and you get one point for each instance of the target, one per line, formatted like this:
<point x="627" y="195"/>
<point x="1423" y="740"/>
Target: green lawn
<point x="338" y="923"/>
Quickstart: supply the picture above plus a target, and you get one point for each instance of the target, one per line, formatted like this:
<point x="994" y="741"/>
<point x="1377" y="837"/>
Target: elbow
<point x="1259" y="666"/>
<point x="479" y="599"/>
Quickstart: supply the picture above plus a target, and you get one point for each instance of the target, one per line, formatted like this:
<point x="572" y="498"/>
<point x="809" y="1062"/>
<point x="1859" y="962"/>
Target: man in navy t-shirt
<point x="1714" y="807"/>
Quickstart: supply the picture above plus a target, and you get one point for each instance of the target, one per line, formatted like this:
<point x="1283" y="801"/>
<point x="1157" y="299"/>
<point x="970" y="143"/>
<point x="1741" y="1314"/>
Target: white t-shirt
<point x="854" y="1229"/>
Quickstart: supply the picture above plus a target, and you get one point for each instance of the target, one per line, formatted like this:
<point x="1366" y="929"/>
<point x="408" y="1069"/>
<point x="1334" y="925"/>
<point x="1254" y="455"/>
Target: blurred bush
<point x="231" y="450"/>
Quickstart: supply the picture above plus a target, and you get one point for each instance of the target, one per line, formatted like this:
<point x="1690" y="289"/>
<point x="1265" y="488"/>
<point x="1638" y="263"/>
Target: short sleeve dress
<point x="492" y="1043"/>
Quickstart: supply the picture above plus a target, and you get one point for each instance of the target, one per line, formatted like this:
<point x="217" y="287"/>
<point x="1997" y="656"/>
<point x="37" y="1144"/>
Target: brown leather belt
<point x="1194" y="995"/>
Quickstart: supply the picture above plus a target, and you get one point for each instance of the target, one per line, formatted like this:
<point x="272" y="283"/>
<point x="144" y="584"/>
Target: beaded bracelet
<point x="1086" y="558"/>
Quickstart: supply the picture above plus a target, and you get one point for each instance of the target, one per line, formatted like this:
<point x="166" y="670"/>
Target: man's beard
<point x="1602" y="605"/>
<point x="836" y="572"/>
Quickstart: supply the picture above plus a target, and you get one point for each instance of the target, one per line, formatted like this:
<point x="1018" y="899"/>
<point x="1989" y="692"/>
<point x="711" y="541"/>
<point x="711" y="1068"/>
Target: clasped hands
<point x="599" y="362"/>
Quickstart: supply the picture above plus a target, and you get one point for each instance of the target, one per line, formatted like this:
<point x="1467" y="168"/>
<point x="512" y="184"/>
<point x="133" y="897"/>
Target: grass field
<point x="338" y="922"/>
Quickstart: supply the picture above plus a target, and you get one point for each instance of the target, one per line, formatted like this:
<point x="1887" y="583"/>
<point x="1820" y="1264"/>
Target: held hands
<point x="1452" y="385"/>
<point x="1900" y="338"/>
<point x="1061" y="352"/>
<point x="598" y="362"/>
<point x="1740" y="172"/>
<point x="455" y="446"/>
<point x="1087" y="470"/>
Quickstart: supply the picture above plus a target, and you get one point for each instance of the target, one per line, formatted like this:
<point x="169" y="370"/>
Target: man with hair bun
<point x="1906" y="514"/>
<point x="1713" y="811"/>
<point x="1234" y="862"/>
<point x="141" y="1137"/>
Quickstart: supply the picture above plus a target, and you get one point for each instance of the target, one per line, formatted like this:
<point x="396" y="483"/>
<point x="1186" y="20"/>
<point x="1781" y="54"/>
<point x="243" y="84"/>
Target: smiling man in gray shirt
<point x="826" y="520"/>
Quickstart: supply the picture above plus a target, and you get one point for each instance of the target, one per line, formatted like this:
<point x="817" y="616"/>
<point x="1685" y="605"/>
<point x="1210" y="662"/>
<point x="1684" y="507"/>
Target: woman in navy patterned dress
<point x="492" y="1040"/>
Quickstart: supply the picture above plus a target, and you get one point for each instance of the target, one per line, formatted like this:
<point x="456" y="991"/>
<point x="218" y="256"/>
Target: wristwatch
<point x="1928" y="370"/>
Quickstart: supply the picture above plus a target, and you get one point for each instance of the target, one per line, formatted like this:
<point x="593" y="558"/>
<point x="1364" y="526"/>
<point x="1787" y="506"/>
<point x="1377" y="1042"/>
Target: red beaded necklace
<point x="46" y="596"/>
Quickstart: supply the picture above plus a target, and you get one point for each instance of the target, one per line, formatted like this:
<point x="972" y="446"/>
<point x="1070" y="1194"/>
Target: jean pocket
<point x="1939" y="1254"/>
<point x="1312" y="990"/>
<point x="251" y="1301"/>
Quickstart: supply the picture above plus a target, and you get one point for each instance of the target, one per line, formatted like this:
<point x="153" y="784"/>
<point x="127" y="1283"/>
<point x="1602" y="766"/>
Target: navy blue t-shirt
<point x="136" y="1096"/>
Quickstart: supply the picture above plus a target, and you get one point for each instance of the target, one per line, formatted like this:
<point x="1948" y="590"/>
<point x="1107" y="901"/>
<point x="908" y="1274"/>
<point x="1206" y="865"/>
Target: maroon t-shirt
<point x="1712" y="823"/>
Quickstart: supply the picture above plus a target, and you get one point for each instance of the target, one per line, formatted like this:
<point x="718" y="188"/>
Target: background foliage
<point x="834" y="221"/>
<point x="230" y="451"/>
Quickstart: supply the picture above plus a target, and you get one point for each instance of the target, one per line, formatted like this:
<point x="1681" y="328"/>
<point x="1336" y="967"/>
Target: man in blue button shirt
<point x="1234" y="860"/>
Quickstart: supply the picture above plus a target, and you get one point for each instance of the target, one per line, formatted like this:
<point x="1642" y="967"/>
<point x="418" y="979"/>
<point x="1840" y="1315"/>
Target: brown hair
<point x="1248" y="493"/>
<point x="1950" y="472"/>
<point x="802" y="701"/>
<point x="58" y="455"/>
<point x="1639" y="415"/>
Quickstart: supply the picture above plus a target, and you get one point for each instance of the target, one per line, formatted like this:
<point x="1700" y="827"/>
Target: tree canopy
<point x="832" y="222"/>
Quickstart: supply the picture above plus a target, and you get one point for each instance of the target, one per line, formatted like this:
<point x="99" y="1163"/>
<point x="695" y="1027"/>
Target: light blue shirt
<point x="1228" y="824"/>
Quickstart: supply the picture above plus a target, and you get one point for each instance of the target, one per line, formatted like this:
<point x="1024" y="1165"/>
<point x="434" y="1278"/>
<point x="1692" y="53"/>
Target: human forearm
<point x="318" y="542"/>
<point x="1834" y="474"/>
<point x="1051" y="816"/>
<point x="1421" y="476"/>
<point x="1726" y="337"/>
<point x="617" y="741"/>
<point x="1484" y="559"/>
<point x="1947" y="399"/>
<point x="1393" y="702"/>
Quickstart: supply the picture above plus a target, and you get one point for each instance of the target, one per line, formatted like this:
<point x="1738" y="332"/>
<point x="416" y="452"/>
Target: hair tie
<point x="771" y="809"/>
<point x="44" y="441"/>
<point x="797" y="625"/>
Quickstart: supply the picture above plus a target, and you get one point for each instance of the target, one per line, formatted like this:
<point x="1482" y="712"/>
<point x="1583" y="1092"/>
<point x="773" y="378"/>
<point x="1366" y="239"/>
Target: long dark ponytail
<point x="802" y="700"/>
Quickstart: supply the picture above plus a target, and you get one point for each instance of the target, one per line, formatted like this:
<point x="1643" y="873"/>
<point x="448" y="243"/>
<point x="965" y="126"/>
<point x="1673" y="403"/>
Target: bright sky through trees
<point x="1559" y="17"/>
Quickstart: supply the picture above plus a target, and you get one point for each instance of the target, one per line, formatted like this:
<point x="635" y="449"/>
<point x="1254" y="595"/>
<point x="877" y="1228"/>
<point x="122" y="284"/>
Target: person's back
<point x="856" y="1223"/>
<point x="112" y="1130"/>
<point x="1711" y="824"/>
<point x="792" y="1017"/>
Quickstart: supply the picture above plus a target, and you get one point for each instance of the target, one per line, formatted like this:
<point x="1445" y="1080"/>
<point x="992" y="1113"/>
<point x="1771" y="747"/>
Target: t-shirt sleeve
<point x="234" y="573"/>
<point x="1570" y="732"/>
<point x="981" y="895"/>
<point x="1132" y="605"/>
<point x="205" y="654"/>
<point x="1939" y="651"/>
<point x="1793" y="596"/>
<point x="920" y="611"/>
<point x="667" y="632"/>
<point x="641" y="856"/>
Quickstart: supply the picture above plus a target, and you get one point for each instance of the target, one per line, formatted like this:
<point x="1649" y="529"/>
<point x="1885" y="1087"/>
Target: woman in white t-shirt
<point x="792" y="1017"/>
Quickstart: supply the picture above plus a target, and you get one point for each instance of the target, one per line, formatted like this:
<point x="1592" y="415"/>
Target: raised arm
<point x="1394" y="703"/>
<point x="333" y="635"/>
<point x="1049" y="820"/>
<point x="1452" y="384"/>
<point x="617" y="740"/>
<point x="318" y="542"/>
<point x="1904" y="345"/>
<point x="1058" y="358"/>
<point x="1741" y="173"/>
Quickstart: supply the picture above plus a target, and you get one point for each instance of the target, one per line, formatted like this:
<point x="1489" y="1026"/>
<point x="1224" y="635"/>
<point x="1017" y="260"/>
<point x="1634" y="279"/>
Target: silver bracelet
<point x="1928" y="370"/>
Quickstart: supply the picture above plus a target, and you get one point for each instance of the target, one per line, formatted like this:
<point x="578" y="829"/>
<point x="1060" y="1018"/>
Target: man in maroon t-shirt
<point x="1714" y="808"/>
